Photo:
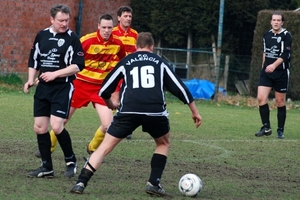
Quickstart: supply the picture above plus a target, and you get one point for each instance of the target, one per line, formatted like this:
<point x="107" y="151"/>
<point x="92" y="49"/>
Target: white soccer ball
<point x="190" y="185"/>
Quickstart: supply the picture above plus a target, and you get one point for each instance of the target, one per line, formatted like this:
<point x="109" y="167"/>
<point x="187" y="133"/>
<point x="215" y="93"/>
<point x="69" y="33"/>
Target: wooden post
<point x="226" y="71"/>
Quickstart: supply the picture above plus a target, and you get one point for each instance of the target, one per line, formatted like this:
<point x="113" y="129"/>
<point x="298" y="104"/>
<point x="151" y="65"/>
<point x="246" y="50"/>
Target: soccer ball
<point x="190" y="185"/>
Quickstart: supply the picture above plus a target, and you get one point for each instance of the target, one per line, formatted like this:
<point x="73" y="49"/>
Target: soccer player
<point x="128" y="37"/>
<point x="144" y="75"/>
<point x="102" y="51"/>
<point x="274" y="74"/>
<point x="125" y="33"/>
<point x="123" y="30"/>
<point x="57" y="54"/>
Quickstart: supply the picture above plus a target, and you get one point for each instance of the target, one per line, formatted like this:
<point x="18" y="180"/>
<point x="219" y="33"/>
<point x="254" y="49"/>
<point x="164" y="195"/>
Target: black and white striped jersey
<point x="53" y="51"/>
<point x="277" y="46"/>
<point x="145" y="76"/>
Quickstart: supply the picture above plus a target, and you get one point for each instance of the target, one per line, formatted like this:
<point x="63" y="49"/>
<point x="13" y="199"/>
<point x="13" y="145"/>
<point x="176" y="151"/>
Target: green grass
<point x="10" y="83"/>
<point x="223" y="151"/>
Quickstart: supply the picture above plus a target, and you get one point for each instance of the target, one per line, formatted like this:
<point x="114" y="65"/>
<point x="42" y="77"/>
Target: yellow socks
<point x="53" y="140"/>
<point x="96" y="141"/>
<point x="93" y="145"/>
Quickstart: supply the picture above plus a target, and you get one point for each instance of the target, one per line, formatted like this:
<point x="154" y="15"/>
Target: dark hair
<point x="59" y="8"/>
<point x="106" y="17"/>
<point x="144" y="39"/>
<point x="123" y="9"/>
<point x="277" y="13"/>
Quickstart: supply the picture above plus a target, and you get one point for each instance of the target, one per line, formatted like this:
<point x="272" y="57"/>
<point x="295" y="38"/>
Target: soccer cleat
<point x="280" y="134"/>
<point x="41" y="172"/>
<point x="77" y="188"/>
<point x="158" y="191"/>
<point x="88" y="149"/>
<point x="129" y="137"/>
<point x="71" y="169"/>
<point x="264" y="131"/>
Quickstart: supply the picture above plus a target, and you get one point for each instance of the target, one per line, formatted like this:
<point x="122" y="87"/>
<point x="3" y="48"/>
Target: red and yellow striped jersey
<point x="100" y="56"/>
<point x="128" y="38"/>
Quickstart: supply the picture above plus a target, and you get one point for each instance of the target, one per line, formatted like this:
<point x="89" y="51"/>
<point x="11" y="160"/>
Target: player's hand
<point x="36" y="81"/>
<point x="197" y="119"/>
<point x="48" y="76"/>
<point x="270" y="68"/>
<point x="27" y="85"/>
<point x="115" y="105"/>
<point x="111" y="105"/>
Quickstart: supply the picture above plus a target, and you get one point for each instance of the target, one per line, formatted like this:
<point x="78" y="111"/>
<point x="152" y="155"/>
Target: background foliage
<point x="171" y="21"/>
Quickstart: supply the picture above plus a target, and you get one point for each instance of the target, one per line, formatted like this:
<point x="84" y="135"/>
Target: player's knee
<point x="104" y="128"/>
<point x="57" y="129"/>
<point x="40" y="129"/>
<point x="261" y="100"/>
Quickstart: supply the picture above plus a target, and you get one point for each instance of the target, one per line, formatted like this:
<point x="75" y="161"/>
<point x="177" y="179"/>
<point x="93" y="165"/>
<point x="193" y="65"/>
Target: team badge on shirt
<point x="60" y="42"/>
<point x="278" y="39"/>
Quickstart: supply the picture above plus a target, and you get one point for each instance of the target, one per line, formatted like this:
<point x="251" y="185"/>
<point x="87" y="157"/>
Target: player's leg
<point x="43" y="139"/>
<point x="64" y="139"/>
<point x="281" y="113"/>
<point x="41" y="112"/>
<point x="53" y="137"/>
<point x="116" y="132"/>
<point x="158" y="128"/>
<point x="105" y="115"/>
<point x="264" y="111"/>
<point x="281" y="87"/>
<point x="95" y="162"/>
<point x="57" y="121"/>
<point x="158" y="162"/>
<point x="52" y="134"/>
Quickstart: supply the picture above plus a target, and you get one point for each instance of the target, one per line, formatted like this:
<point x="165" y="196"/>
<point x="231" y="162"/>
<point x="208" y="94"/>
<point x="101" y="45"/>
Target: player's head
<point x="124" y="16"/>
<point x="277" y="20"/>
<point x="145" y="40"/>
<point x="60" y="17"/>
<point x="105" y="26"/>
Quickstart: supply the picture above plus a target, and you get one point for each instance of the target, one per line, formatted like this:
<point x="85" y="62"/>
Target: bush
<point x="10" y="82"/>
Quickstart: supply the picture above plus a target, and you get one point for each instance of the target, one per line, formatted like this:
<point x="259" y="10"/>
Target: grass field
<point x="231" y="161"/>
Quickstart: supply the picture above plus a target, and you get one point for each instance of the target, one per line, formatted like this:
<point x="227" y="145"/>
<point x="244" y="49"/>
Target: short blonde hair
<point x="144" y="39"/>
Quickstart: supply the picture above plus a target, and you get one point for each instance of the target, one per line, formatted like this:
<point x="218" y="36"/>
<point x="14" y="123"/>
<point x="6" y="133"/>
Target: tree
<point x="172" y="21"/>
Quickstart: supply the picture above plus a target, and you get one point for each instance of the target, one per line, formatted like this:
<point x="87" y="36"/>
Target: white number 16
<point x="145" y="75"/>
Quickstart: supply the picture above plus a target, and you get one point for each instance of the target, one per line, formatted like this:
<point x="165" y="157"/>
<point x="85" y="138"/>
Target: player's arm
<point x="33" y="66"/>
<point x="195" y="114"/>
<point x="77" y="64"/>
<point x="30" y="81"/>
<point x="175" y="85"/>
<point x="110" y="84"/>
<point x="286" y="51"/>
<point x="263" y="60"/>
<point x="68" y="71"/>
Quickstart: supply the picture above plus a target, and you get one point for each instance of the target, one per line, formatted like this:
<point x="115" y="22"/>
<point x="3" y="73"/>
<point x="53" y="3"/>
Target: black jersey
<point x="53" y="51"/>
<point x="145" y="76"/>
<point x="277" y="46"/>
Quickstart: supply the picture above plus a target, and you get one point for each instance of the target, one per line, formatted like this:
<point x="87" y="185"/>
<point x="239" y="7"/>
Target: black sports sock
<point x="84" y="176"/>
<point x="281" y="116"/>
<point x="264" y="112"/>
<point x="158" y="163"/>
<point x="44" y="144"/>
<point x="66" y="146"/>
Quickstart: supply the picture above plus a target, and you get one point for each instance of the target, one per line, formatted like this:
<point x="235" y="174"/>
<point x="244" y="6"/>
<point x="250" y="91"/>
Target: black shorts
<point x="53" y="99"/>
<point x="278" y="80"/>
<point x="124" y="124"/>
